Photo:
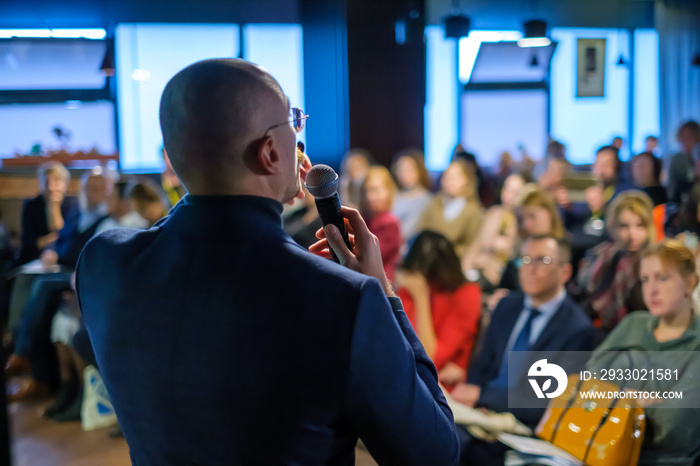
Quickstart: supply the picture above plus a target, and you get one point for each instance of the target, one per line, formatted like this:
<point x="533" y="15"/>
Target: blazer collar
<point x="225" y="216"/>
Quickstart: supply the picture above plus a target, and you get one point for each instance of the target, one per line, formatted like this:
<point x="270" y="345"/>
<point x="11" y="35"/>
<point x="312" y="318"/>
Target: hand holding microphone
<point x="351" y="245"/>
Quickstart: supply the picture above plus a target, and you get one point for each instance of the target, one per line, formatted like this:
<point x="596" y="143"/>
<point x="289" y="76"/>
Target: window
<point x="147" y="56"/>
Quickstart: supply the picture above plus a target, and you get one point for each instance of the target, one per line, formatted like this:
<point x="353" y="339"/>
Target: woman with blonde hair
<point x="537" y="215"/>
<point x="643" y="339"/>
<point x="608" y="280"/>
<point x="456" y="211"/>
<point x="378" y="192"/>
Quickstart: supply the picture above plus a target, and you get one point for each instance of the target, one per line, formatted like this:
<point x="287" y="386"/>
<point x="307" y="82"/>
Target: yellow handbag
<point x="598" y="432"/>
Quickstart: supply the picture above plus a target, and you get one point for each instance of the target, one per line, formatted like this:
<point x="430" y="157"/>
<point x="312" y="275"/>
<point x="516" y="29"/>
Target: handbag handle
<point x="606" y="415"/>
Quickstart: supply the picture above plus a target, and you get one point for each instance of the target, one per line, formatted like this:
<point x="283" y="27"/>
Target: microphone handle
<point x="329" y="211"/>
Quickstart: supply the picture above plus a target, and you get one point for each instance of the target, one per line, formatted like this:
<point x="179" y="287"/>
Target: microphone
<point x="322" y="183"/>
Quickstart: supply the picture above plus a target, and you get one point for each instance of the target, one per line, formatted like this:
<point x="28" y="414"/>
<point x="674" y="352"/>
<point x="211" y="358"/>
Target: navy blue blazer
<point x="223" y="342"/>
<point x="71" y="240"/>
<point x="569" y="329"/>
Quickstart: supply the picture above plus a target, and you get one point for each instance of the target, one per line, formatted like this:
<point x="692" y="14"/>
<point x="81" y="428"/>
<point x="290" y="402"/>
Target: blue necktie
<point x="522" y="343"/>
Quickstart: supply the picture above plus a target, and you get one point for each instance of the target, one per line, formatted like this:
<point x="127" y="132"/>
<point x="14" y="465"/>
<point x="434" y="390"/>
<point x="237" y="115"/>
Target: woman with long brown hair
<point x="456" y="211"/>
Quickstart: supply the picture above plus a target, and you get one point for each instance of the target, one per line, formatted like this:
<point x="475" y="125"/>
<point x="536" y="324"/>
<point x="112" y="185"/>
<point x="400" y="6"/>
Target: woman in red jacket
<point x="443" y="307"/>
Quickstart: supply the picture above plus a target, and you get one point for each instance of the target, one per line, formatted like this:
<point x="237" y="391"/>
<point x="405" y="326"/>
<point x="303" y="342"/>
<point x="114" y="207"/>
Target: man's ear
<point x="267" y="157"/>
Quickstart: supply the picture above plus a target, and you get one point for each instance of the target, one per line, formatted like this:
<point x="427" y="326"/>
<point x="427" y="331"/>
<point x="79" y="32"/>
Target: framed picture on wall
<point x="590" y="76"/>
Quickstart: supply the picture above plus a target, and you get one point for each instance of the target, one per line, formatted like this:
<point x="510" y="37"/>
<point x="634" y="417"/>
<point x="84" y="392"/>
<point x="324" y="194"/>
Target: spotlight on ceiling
<point x="456" y="26"/>
<point x="535" y="34"/>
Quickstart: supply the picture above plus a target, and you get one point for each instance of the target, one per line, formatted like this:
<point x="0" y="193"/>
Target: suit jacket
<point x="569" y="329"/>
<point x="221" y="341"/>
<point x="71" y="240"/>
<point x="35" y="224"/>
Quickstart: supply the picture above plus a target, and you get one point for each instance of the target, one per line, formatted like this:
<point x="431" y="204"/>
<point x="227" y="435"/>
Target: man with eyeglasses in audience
<point x="541" y="318"/>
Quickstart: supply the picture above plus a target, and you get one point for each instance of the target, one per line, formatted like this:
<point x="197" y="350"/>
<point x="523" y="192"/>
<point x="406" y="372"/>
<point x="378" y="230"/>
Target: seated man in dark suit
<point x="220" y="340"/>
<point x="544" y="318"/>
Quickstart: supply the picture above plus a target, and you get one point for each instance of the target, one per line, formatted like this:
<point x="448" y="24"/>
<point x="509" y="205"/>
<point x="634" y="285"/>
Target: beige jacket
<point x="461" y="231"/>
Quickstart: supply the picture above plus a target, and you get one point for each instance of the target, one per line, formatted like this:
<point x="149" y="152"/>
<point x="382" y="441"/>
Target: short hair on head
<point x="52" y="168"/>
<point x="673" y="253"/>
<point x="651" y="138"/>
<point x="656" y="163"/>
<point x="563" y="246"/>
<point x="692" y="126"/>
<point x="208" y="111"/>
<point x="145" y="191"/>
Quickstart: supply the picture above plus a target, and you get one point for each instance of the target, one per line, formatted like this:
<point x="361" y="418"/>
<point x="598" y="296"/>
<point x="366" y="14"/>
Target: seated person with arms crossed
<point x="222" y="341"/>
<point x="541" y="318"/>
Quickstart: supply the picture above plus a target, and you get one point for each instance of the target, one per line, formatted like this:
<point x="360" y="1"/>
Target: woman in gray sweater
<point x="644" y="340"/>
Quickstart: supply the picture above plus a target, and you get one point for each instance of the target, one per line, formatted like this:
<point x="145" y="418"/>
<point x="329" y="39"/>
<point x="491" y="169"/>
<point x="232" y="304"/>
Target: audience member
<point x="485" y="186"/>
<point x="608" y="281"/>
<point x="354" y="168"/>
<point x="443" y="307"/>
<point x="414" y="190"/>
<point x="147" y="201"/>
<point x="97" y="184"/>
<point x="552" y="180"/>
<point x="33" y="350"/>
<point x="617" y="142"/>
<point x="668" y="275"/>
<point x="456" y="211"/>
<point x="586" y="221"/>
<point x="688" y="219"/>
<point x="555" y="151"/>
<point x="378" y="193"/>
<point x="646" y="174"/>
<point x="537" y="215"/>
<point x="44" y="216"/>
<point x="651" y="144"/>
<point x="682" y="172"/>
<point x="541" y="318"/>
<point x="69" y="398"/>
<point x="493" y="247"/>
<point x="121" y="211"/>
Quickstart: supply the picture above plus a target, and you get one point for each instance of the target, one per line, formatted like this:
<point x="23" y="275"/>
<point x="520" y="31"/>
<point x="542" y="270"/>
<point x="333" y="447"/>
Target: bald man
<point x="220" y="340"/>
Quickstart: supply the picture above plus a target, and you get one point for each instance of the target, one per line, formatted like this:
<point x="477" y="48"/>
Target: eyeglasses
<point x="296" y="117"/>
<point x="540" y="260"/>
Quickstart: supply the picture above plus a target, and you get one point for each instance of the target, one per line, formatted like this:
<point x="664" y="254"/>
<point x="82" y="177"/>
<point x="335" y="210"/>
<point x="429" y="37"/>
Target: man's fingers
<point x="336" y="242"/>
<point x="320" y="234"/>
<point x="355" y="223"/>
<point x="319" y="246"/>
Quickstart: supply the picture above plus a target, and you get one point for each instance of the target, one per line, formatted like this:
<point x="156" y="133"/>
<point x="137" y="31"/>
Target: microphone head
<point x="322" y="181"/>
